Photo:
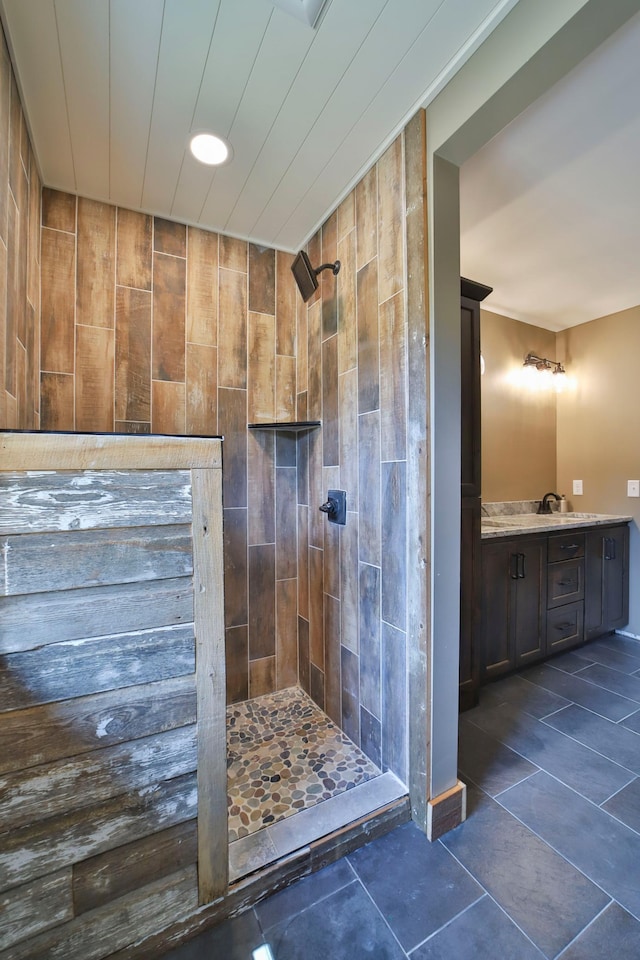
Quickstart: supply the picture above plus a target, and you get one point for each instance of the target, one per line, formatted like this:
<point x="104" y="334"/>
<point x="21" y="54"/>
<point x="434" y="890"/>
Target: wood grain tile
<point x="347" y="215"/>
<point x="285" y="388"/>
<point x="350" y="672"/>
<point x="328" y="282"/>
<point x="348" y="432"/>
<point x="232" y="425"/>
<point x="262" y="486"/>
<point x="236" y="584"/>
<point x="347" y="317"/>
<point x="301" y="406"/>
<point x="316" y="685"/>
<point x="262" y="279"/>
<point x="333" y="663"/>
<point x="303" y="562"/>
<point x="168" y="332"/>
<point x="57" y="401"/>
<point x="237" y="663"/>
<point x="371" y="736"/>
<point x="393" y="401"/>
<point x="33" y="254"/>
<point x="167" y="407"/>
<point x="367" y="218"/>
<point x="132" y="426"/>
<point x="370" y="642"/>
<point x="262" y="676"/>
<point x="19" y="250"/>
<point x="95" y="361"/>
<point x="302" y="457"/>
<point x="286" y="443"/>
<point x="232" y="329"/>
<point x="15" y="130"/>
<point x="314" y="390"/>
<point x="286" y="523"/>
<point x="24" y="418"/>
<point x="5" y="110"/>
<point x="262" y="380"/>
<point x="368" y="345"/>
<point x="233" y="254"/>
<point x="317" y="492"/>
<point x="286" y="304"/>
<point x="133" y="354"/>
<point x="134" y="263"/>
<point x="330" y="431"/>
<point x="13" y="305"/>
<point x="303" y="654"/>
<point x="169" y="237"/>
<point x="32" y="368"/>
<point x="4" y="326"/>
<point x="390" y="221"/>
<point x="302" y="355"/>
<point x="286" y="634"/>
<point x="349" y="591"/>
<point x="202" y="390"/>
<point x="202" y="286"/>
<point x="394" y="543"/>
<point x="59" y="210"/>
<point x="314" y="252"/>
<point x="316" y="608"/>
<point x="331" y="551"/>
<point x="95" y="282"/>
<point x="262" y="601"/>
<point x="369" y="487"/>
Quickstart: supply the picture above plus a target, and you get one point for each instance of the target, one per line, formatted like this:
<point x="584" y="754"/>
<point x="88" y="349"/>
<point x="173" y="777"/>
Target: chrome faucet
<point x="545" y="506"/>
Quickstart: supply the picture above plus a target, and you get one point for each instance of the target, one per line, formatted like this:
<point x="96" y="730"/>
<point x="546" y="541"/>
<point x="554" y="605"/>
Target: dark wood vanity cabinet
<point x="550" y="592"/>
<point x="607" y="571"/>
<point x="514" y="604"/>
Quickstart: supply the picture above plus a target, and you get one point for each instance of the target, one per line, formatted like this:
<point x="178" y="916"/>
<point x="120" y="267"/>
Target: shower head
<point x="306" y="276"/>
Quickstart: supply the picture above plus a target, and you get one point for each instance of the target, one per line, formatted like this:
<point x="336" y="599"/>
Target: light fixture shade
<point x="210" y="149"/>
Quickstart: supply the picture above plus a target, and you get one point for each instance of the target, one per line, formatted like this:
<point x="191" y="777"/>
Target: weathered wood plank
<point x="101" y="879"/>
<point x="35" y="907"/>
<point x="51" y="790"/>
<point x="202" y="287"/>
<point x="89" y="558"/>
<point x="210" y="684"/>
<point x="41" y="735"/>
<point x="77" y="668"/>
<point x="115" y="926"/>
<point x="94" y="612"/>
<point x="34" y="851"/>
<point x="35" y="451"/>
<point x="38" y="502"/>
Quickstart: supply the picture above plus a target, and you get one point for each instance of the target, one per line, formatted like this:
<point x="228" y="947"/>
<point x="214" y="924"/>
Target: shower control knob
<point x="335" y="506"/>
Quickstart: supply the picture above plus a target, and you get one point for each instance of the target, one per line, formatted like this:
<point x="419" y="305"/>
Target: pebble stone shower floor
<point x="285" y="755"/>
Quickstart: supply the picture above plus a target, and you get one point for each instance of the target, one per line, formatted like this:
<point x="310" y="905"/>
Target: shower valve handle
<point x="335" y="506"/>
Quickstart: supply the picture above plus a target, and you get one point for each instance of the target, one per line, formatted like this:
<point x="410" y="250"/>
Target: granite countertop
<point x="513" y="525"/>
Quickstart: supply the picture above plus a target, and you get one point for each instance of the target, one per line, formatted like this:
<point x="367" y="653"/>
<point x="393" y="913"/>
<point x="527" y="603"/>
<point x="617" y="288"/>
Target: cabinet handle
<point x="563" y="626"/>
<point x="513" y="562"/>
<point x="612" y="548"/>
<point x="521" y="567"/>
<point x="569" y="546"/>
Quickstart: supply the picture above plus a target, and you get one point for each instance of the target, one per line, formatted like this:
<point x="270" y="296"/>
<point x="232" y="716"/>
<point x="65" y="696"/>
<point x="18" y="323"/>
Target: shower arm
<point x="334" y="267"/>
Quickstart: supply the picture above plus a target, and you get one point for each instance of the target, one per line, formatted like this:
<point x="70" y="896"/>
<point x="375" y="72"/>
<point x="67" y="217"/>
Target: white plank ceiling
<point x="112" y="90"/>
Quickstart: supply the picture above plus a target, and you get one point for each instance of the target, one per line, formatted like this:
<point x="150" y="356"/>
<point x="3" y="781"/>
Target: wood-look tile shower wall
<point x="19" y="260"/>
<point x="152" y="326"/>
<point x="352" y="346"/>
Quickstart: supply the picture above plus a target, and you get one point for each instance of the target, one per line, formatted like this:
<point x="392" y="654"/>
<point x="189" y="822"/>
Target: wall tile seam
<point x="233" y="270"/>
<point x="261" y="543"/>
<point x="174" y="256"/>
<point x="392" y="296"/>
<point x="69" y="233"/>
<point x="127" y="286"/>
<point x="63" y="373"/>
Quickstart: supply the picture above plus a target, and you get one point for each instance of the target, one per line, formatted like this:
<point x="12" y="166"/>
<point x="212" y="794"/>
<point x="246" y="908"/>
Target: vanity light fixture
<point x="543" y="364"/>
<point x="210" y="149"/>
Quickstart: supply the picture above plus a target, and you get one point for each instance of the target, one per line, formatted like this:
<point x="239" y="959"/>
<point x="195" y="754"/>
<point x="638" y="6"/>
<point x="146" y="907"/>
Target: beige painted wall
<point x="598" y="423"/>
<point x="518" y="418"/>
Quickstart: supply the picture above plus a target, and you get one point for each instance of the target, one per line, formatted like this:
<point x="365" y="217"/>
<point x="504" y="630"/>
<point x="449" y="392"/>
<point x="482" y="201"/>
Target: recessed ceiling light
<point x="210" y="149"/>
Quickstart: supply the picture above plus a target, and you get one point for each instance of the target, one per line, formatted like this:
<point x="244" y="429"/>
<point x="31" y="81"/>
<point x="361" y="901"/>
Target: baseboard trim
<point x="446" y="811"/>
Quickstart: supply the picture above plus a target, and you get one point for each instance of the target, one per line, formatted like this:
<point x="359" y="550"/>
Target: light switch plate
<point x="577" y="488"/>
<point x="633" y="488"/>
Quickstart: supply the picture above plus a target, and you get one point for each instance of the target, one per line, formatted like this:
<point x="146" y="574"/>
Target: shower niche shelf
<point x="295" y="426"/>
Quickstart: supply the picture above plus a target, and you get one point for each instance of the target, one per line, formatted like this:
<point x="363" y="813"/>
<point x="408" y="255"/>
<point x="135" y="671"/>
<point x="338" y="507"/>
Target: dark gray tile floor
<point x="546" y="867"/>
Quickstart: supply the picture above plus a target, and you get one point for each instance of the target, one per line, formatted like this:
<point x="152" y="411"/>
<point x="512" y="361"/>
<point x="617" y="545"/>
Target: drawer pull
<point x="563" y="626"/>
<point x="569" y="546"/>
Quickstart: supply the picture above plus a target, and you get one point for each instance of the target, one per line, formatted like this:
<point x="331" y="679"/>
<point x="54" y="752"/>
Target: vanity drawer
<point x="566" y="547"/>
<point x="565" y="626"/>
<point x="565" y="582"/>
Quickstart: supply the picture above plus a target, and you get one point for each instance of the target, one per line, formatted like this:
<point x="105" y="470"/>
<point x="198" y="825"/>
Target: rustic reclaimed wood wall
<point x="102" y="680"/>
<point x="352" y="349"/>
<point x="19" y="260"/>
<point x="150" y="326"/>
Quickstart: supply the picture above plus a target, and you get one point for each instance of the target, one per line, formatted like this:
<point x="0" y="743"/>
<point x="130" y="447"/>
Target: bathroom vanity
<point x="549" y="583"/>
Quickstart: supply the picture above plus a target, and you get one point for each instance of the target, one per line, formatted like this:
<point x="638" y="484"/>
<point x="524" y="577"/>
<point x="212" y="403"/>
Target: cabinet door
<point x="606" y="580"/>
<point x="514" y="591"/>
<point x="469" y="601"/>
<point x="530" y="614"/>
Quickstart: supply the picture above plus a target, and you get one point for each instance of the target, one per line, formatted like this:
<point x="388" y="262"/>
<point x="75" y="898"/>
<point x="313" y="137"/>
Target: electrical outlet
<point x="577" y="488"/>
<point x="633" y="488"/>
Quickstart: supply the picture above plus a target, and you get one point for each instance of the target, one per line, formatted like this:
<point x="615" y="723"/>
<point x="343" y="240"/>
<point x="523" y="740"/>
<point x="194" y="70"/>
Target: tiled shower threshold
<point x="299" y="788"/>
